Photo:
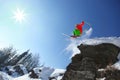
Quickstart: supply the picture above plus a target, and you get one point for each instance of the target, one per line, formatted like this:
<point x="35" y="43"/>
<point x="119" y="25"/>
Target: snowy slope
<point x="58" y="73"/>
<point x="72" y="47"/>
<point x="45" y="74"/>
<point x="4" y="76"/>
<point x="25" y="77"/>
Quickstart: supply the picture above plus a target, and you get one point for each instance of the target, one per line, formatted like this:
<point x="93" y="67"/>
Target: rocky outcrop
<point x="35" y="73"/>
<point x="15" y="71"/>
<point x="85" y="66"/>
<point x="110" y="73"/>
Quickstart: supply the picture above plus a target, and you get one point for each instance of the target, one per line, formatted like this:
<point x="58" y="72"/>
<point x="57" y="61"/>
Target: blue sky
<point x="46" y="20"/>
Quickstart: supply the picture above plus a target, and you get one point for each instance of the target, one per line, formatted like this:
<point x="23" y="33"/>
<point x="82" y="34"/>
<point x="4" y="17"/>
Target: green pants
<point x="76" y="32"/>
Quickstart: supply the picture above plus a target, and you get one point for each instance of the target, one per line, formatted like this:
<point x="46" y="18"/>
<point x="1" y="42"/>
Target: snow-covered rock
<point x="72" y="47"/>
<point x="46" y="72"/>
<point x="100" y="78"/>
<point x="57" y="74"/>
<point x="15" y="71"/>
<point x="100" y="52"/>
<point x="4" y="76"/>
<point x="35" y="73"/>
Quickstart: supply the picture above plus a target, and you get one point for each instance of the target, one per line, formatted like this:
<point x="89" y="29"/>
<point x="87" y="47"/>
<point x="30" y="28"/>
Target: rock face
<point x="110" y="73"/>
<point x="85" y="66"/>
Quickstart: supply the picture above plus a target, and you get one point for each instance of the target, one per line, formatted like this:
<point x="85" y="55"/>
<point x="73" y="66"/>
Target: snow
<point x="56" y="73"/>
<point x="100" y="78"/>
<point x="51" y="72"/>
<point x="23" y="69"/>
<point x="25" y="77"/>
<point x="117" y="65"/>
<point x="46" y="72"/>
<point x="4" y="76"/>
<point x="96" y="41"/>
<point x="37" y="71"/>
<point x="72" y="47"/>
<point x="101" y="69"/>
<point x="13" y="71"/>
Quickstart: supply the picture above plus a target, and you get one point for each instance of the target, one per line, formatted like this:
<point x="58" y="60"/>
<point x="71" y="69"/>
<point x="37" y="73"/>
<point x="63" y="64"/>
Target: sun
<point x="19" y="15"/>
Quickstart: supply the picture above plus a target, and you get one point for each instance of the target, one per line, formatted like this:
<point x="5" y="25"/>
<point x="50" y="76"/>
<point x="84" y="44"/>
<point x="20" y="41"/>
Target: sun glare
<point x="19" y="15"/>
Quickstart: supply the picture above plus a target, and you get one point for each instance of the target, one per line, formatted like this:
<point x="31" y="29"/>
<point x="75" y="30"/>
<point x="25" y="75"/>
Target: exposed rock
<point x="35" y="73"/>
<point x="85" y="66"/>
<point x="103" y="54"/>
<point x="110" y="73"/>
<point x="83" y="70"/>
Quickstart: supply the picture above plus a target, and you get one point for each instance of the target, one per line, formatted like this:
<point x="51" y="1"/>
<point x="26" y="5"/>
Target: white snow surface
<point x="25" y="77"/>
<point x="51" y="72"/>
<point x="100" y="78"/>
<point x="56" y="73"/>
<point x="4" y="76"/>
<point x="44" y="74"/>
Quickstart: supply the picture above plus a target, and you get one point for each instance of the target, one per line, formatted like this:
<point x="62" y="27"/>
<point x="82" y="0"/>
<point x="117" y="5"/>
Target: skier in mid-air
<point x="78" y="30"/>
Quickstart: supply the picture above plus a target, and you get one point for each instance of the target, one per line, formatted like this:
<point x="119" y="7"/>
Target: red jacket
<point x="79" y="26"/>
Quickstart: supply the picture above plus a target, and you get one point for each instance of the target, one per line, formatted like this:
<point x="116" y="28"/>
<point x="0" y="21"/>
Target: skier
<point x="78" y="30"/>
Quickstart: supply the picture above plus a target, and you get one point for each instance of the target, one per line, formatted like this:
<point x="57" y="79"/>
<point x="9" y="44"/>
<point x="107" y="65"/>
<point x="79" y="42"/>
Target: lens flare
<point x="19" y="15"/>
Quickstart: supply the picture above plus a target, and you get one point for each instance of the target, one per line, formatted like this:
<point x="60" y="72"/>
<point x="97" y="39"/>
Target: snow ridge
<point x="73" y="50"/>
